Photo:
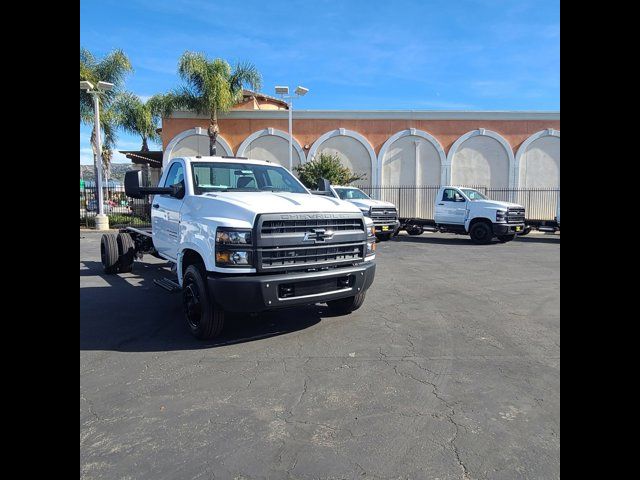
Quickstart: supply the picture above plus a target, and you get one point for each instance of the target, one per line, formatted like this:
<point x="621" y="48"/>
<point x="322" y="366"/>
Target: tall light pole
<point x="283" y="91"/>
<point x="102" y="221"/>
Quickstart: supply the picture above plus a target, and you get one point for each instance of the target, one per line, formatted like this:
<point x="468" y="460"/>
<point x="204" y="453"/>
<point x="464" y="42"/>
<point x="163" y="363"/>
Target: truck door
<point x="450" y="207"/>
<point x="165" y="215"/>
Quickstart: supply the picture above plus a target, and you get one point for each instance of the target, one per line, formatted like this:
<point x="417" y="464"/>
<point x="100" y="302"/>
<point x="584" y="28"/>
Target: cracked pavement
<point x="450" y="370"/>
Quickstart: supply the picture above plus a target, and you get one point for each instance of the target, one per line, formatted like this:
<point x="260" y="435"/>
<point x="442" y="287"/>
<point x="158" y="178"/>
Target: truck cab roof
<point x="225" y="159"/>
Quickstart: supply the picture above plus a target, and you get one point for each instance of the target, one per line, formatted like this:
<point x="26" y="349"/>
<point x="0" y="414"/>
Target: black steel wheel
<point x="204" y="318"/>
<point x="481" y="233"/>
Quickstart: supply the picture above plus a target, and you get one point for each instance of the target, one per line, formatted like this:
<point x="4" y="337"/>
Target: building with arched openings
<point x="409" y="148"/>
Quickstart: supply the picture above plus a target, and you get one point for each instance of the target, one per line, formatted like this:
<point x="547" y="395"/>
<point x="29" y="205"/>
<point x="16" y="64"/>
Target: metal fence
<point x="412" y="202"/>
<point x="123" y="211"/>
<point x="418" y="201"/>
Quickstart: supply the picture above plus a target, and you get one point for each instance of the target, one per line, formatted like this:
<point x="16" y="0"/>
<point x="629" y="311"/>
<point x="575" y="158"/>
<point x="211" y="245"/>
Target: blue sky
<point x="351" y="54"/>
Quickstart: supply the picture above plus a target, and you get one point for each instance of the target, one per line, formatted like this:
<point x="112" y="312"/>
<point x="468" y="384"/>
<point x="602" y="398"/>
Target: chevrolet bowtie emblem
<point x="318" y="235"/>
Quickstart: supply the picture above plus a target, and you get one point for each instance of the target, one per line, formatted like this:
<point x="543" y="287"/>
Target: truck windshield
<point x="473" y="194"/>
<point x="242" y="177"/>
<point x="351" y="194"/>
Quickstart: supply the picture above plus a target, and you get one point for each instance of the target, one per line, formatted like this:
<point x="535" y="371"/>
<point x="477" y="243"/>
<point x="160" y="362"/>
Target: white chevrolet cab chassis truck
<point x="466" y="211"/>
<point x="246" y="236"/>
<point x="384" y="214"/>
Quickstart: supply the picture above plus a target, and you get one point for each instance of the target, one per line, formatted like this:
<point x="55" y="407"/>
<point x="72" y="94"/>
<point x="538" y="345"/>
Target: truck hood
<point x="367" y="203"/>
<point x="495" y="204"/>
<point x="280" y="202"/>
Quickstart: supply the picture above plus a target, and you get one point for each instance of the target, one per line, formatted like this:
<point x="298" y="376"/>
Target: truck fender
<point x="200" y="250"/>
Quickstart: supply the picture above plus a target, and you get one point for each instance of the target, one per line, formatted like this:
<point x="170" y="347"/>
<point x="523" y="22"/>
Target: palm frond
<point x="245" y="74"/>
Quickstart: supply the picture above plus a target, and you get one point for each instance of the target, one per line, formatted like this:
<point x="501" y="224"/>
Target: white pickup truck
<point x="384" y="214"/>
<point x="246" y="236"/>
<point x="466" y="211"/>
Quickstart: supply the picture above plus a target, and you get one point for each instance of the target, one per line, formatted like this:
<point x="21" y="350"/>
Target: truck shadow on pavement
<point x="128" y="312"/>
<point x="459" y="240"/>
<point x="462" y="240"/>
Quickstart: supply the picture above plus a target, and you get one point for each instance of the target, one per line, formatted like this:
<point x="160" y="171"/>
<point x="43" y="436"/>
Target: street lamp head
<point x="282" y="90"/>
<point x="301" y="91"/>
<point x="85" y="85"/>
<point x="105" y="86"/>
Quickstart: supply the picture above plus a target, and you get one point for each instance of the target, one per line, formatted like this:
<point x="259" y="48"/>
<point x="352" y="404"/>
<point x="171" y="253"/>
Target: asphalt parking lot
<point x="450" y="370"/>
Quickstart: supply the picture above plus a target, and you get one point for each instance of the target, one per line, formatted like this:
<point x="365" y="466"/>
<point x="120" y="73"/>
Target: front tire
<point x="204" y="318"/>
<point x="109" y="253"/>
<point x="347" y="305"/>
<point x="481" y="233"/>
<point x="506" y="238"/>
<point x="414" y="230"/>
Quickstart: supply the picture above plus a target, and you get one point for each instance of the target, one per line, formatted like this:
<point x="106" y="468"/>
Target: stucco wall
<point x="399" y="163"/>
<point x="481" y="160"/>
<point x="352" y="153"/>
<point x="540" y="164"/>
<point x="307" y="131"/>
<point x="195" y="145"/>
<point x="272" y="148"/>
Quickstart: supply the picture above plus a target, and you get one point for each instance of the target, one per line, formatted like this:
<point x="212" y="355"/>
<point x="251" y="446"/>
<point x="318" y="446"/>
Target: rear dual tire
<point x="126" y="252"/>
<point x="117" y="253"/>
<point x="109" y="253"/>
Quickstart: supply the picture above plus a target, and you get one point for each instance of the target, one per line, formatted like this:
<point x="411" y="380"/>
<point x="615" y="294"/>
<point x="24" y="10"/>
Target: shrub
<point x="326" y="166"/>
<point x="116" y="220"/>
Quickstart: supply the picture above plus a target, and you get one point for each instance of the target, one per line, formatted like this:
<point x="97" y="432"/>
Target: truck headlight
<point x="228" y="236"/>
<point x="229" y="247"/>
<point x="233" y="258"/>
<point x="371" y="231"/>
<point x="500" y="214"/>
<point x="371" y="247"/>
<point x="366" y="212"/>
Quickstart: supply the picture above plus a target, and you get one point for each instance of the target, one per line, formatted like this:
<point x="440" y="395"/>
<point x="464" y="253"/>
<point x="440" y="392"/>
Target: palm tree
<point x="142" y="118"/>
<point x="212" y="86"/>
<point x="112" y="68"/>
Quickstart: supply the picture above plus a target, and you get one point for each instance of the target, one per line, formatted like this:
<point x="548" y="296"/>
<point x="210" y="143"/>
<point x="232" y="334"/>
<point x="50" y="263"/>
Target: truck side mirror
<point x="132" y="188"/>
<point x="178" y="189"/>
<point x="132" y="182"/>
<point x="324" y="185"/>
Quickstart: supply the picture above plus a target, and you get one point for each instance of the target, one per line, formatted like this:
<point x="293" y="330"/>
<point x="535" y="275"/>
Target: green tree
<point x="211" y="87"/>
<point x="142" y="118"/>
<point x="113" y="68"/>
<point x="326" y="166"/>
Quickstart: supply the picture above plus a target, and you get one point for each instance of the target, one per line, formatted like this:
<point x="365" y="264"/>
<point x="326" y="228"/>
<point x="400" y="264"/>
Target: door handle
<point x="156" y="205"/>
<point x="441" y="204"/>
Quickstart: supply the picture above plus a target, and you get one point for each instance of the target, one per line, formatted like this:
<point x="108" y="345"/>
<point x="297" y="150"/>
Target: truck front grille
<point x="312" y="256"/>
<point x="515" y="215"/>
<point x="304" y="241"/>
<point x="272" y="227"/>
<point x="382" y="215"/>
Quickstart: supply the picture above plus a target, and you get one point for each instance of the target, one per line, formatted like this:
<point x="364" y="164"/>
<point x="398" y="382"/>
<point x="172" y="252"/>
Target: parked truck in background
<point x="548" y="226"/>
<point x="246" y="236"/>
<point x="384" y="214"/>
<point x="466" y="211"/>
